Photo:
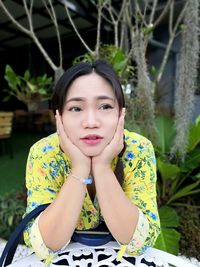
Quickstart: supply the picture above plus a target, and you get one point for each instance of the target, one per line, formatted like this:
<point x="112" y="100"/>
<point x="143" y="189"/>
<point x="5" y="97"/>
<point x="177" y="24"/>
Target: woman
<point x="91" y="169"/>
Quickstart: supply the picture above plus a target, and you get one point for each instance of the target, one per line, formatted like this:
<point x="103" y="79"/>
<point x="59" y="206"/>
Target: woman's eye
<point x="75" y="109"/>
<point x="106" y="106"/>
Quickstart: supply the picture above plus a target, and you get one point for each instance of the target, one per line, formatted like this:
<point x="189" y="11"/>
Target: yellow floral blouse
<point x="48" y="167"/>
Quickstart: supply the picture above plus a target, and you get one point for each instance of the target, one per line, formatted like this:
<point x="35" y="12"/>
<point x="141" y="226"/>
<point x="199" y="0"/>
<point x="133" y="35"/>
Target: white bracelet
<point x="86" y="181"/>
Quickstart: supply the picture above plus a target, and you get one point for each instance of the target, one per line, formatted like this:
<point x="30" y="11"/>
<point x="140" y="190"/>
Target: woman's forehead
<point x="90" y="85"/>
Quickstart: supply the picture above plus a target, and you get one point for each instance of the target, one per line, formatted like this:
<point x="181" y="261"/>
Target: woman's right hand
<point x="78" y="159"/>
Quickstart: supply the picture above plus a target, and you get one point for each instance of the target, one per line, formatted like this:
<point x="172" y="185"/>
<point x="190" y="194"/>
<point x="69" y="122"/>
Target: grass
<point x="12" y="170"/>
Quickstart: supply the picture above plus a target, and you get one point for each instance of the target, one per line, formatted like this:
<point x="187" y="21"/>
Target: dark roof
<point x="83" y="13"/>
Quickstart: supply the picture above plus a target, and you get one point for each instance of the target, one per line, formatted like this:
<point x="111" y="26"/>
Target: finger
<point x="123" y="112"/>
<point x="59" y="124"/>
<point x="120" y="126"/>
<point x="118" y="138"/>
<point x="60" y="129"/>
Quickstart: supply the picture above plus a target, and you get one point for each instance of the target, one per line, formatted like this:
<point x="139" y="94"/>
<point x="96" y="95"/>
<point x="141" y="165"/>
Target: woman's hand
<point x="78" y="159"/>
<point x="113" y="148"/>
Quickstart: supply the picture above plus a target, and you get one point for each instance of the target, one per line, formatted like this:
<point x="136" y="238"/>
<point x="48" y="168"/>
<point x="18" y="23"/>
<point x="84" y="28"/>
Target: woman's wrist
<point x="80" y="177"/>
<point x="85" y="181"/>
<point x="101" y="168"/>
<point x="80" y="172"/>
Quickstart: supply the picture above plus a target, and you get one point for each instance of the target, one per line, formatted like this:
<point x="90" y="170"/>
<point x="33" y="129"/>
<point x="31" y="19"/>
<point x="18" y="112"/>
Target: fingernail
<point x="124" y="111"/>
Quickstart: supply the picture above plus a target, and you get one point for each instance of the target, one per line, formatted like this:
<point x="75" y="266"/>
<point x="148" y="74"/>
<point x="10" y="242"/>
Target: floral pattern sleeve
<point x="140" y="188"/>
<point x="45" y="174"/>
<point x="38" y="245"/>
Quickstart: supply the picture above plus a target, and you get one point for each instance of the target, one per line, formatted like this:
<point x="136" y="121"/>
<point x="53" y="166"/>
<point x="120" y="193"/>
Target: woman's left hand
<point x="114" y="147"/>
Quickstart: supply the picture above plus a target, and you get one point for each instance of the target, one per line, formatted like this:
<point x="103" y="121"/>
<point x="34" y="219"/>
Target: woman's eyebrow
<point x="102" y="97"/>
<point x="82" y="99"/>
<point x="75" y="99"/>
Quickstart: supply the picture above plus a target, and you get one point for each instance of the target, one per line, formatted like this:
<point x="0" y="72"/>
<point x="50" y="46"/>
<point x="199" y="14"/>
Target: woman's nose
<point x="91" y="120"/>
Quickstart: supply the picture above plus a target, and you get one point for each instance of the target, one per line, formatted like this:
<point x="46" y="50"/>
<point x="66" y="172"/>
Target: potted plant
<point x="29" y="90"/>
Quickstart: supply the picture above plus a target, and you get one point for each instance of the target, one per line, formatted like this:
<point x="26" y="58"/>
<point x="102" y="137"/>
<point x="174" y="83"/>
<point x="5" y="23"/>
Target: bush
<point x="190" y="234"/>
<point x="12" y="208"/>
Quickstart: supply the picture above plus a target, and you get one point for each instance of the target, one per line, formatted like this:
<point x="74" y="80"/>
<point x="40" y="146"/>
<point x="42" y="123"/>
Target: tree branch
<point x="171" y="17"/>
<point x="75" y="29"/>
<point x="155" y="2"/>
<point x="29" y="14"/>
<point x="171" y="39"/>
<point x="99" y="11"/>
<point x="14" y="21"/>
<point x="139" y="12"/>
<point x="53" y="17"/>
<point x="121" y="10"/>
<point x="110" y="10"/>
<point x="30" y="32"/>
<point x="162" y="15"/>
<point x="123" y="29"/>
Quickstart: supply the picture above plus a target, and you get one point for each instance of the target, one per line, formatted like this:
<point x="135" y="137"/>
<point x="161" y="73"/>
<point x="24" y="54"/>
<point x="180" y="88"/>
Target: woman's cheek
<point x="112" y="133"/>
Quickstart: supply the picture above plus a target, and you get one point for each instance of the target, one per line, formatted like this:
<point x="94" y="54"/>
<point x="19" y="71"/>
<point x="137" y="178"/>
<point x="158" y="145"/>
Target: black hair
<point x="103" y="69"/>
<point x="100" y="67"/>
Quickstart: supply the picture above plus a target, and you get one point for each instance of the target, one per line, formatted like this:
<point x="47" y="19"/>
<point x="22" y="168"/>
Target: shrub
<point x="190" y="234"/>
<point x="12" y="208"/>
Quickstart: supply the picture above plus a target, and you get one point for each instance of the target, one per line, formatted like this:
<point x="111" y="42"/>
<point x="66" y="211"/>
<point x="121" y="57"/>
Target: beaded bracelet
<point x="86" y="181"/>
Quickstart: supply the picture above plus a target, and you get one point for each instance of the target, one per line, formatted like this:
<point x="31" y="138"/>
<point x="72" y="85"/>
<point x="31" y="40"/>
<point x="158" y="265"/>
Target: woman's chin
<point x="92" y="153"/>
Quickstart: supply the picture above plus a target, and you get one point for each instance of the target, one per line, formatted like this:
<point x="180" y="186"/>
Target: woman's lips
<point x="92" y="139"/>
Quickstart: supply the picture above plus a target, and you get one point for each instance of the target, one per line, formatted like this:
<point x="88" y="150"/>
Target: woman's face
<point x="91" y="113"/>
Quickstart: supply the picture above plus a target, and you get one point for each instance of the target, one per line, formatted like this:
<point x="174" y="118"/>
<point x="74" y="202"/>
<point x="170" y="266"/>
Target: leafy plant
<point x="168" y="240"/>
<point x="12" y="208"/>
<point x="165" y="134"/>
<point x="190" y="234"/>
<point x="116" y="57"/>
<point x="26" y="88"/>
<point x="177" y="179"/>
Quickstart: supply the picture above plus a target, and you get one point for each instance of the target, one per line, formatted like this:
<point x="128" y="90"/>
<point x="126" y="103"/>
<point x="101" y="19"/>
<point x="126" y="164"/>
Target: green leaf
<point x="186" y="191"/>
<point x="119" y="66"/>
<point x="166" y="133"/>
<point x="167" y="170"/>
<point x="197" y="121"/>
<point x="33" y="88"/>
<point x="168" y="240"/>
<point x="119" y="60"/>
<point x="12" y="79"/>
<point x="148" y="29"/>
<point x="27" y="75"/>
<point x="10" y="220"/>
<point x="192" y="161"/>
<point x="154" y="71"/>
<point x="42" y="91"/>
<point x="6" y="98"/>
<point x="168" y="217"/>
<point x="194" y="135"/>
<point x="197" y="175"/>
